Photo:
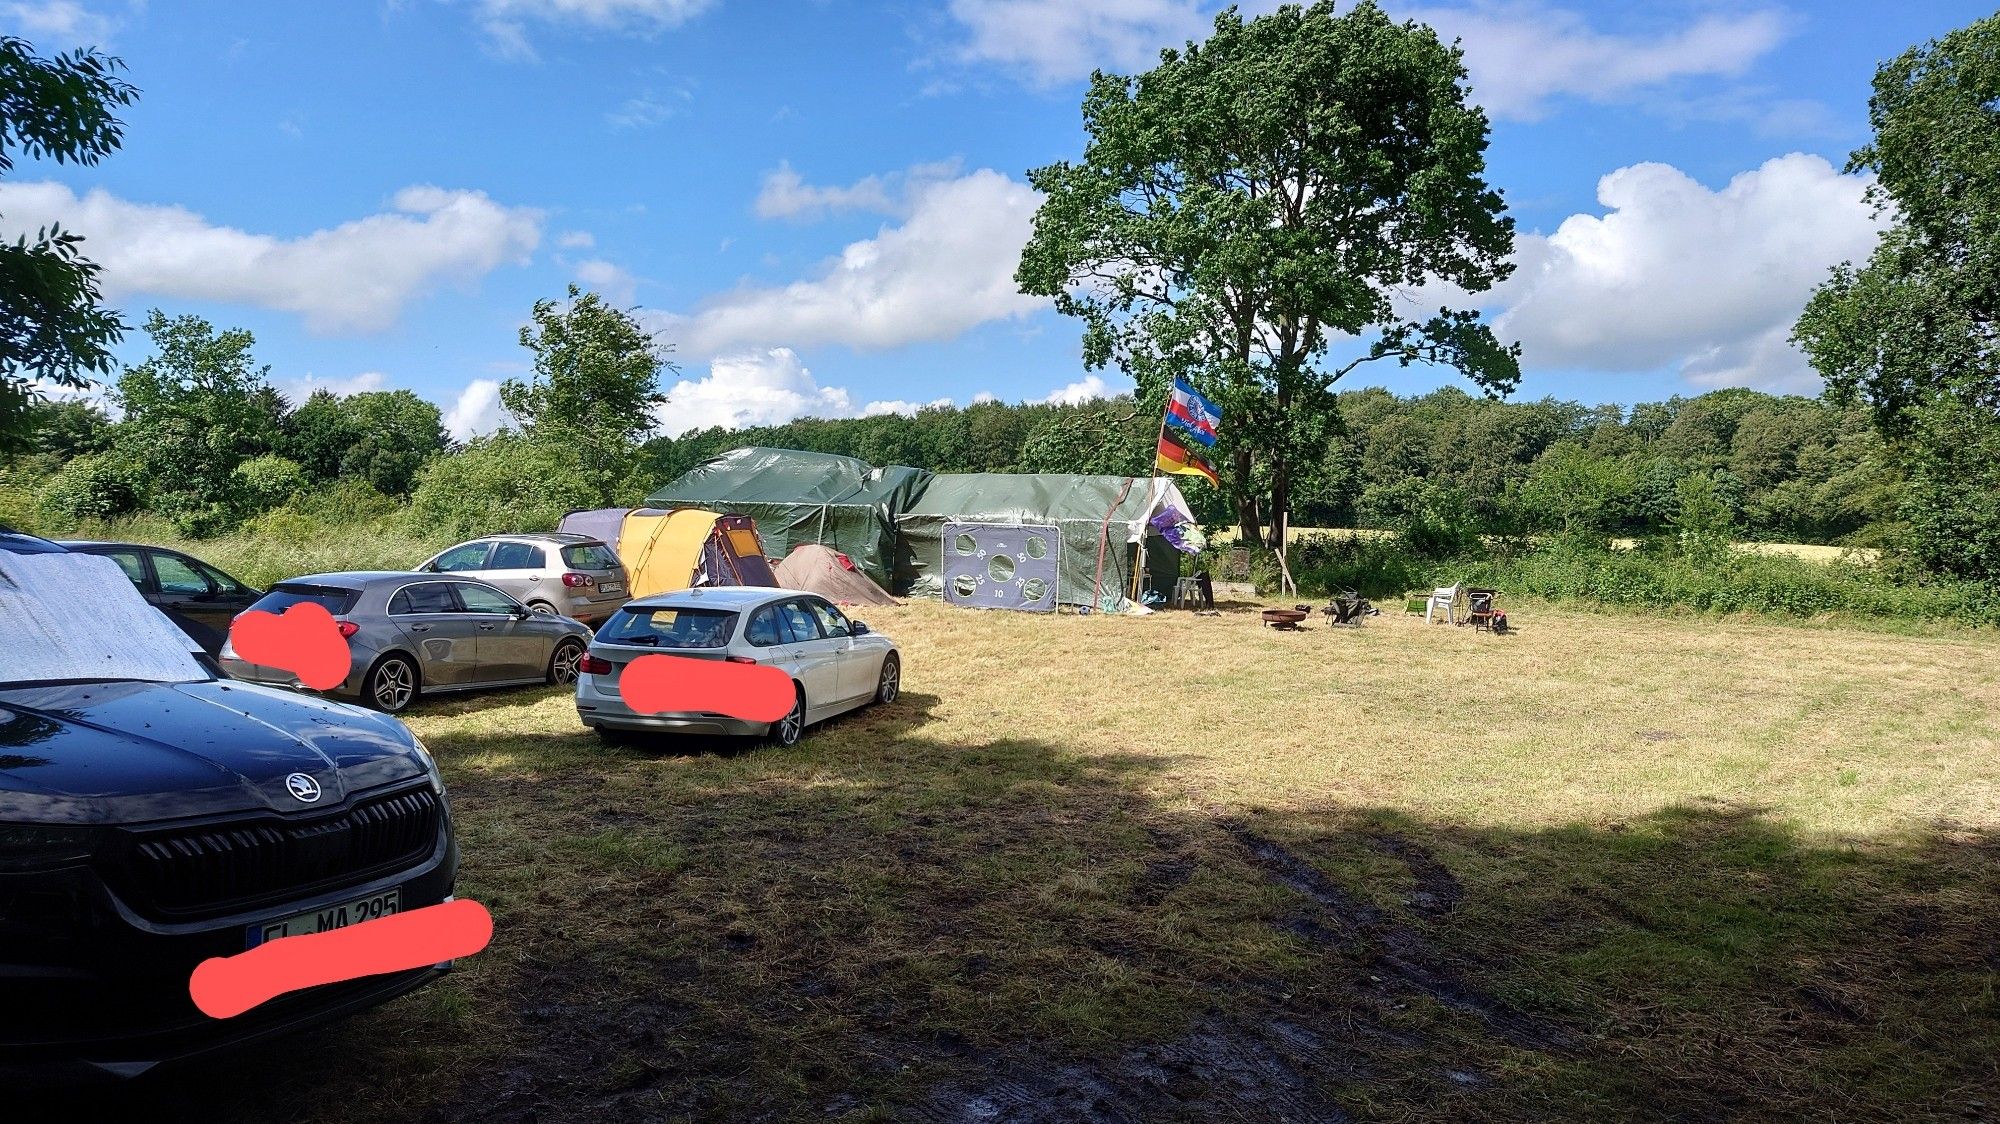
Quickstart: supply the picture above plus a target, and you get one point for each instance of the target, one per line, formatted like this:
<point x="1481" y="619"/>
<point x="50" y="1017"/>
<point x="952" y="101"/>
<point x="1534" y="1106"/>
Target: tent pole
<point x="1284" y="538"/>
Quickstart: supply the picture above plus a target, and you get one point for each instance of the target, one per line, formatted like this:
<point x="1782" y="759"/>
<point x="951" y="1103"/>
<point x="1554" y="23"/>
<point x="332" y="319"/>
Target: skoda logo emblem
<point x="303" y="787"/>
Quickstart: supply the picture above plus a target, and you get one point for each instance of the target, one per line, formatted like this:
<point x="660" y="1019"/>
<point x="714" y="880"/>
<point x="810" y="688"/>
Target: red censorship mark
<point x="663" y="684"/>
<point x="224" y="986"/>
<point x="304" y="641"/>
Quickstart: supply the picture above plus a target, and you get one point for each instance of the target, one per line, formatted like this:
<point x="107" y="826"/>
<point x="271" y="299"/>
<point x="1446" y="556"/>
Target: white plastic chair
<point x="1445" y="598"/>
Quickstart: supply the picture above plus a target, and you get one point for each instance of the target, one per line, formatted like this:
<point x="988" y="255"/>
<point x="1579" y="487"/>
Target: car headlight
<point x="30" y="846"/>
<point x="430" y="762"/>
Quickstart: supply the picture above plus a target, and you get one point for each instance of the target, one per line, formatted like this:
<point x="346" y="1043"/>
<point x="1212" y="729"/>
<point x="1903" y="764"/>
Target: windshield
<point x="67" y="616"/>
<point x="589" y="556"/>
<point x="670" y="628"/>
<point x="333" y="599"/>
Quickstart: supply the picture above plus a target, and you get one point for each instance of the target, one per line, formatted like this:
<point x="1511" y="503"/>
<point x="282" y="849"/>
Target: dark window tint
<point x="798" y="621"/>
<point x="429" y="597"/>
<point x="831" y="622"/>
<point x="177" y="576"/>
<point x="589" y="556"/>
<point x="130" y="562"/>
<point x="332" y="598"/>
<point x="669" y="628"/>
<point x="480" y="599"/>
<point x="471" y="556"/>
<point x="223" y="582"/>
<point x="763" y="629"/>
<point x="516" y="556"/>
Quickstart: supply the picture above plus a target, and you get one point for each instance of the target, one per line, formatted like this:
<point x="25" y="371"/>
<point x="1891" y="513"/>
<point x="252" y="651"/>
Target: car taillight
<point x="575" y="580"/>
<point x="348" y="629"/>
<point x="739" y="659"/>
<point x="592" y="665"/>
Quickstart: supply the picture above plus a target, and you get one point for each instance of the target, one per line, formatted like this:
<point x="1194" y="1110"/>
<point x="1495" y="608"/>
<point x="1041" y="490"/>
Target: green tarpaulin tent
<point x="798" y="497"/>
<point x="1099" y="516"/>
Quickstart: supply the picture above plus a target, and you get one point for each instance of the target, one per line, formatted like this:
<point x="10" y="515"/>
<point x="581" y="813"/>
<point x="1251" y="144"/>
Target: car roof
<point x="715" y="597"/>
<point x="361" y="579"/>
<point x="566" y="538"/>
<point x="20" y="542"/>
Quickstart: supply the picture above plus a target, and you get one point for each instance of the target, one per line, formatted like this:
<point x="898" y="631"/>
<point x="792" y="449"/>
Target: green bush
<point x="263" y="483"/>
<point x="502" y="483"/>
<point x="99" y="486"/>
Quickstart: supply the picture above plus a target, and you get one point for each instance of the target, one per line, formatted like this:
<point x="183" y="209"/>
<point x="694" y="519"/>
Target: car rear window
<point x="670" y="628"/>
<point x="589" y="556"/>
<point x="331" y="598"/>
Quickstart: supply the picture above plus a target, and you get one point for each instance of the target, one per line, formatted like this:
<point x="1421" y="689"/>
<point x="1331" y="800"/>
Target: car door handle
<point x="486" y="628"/>
<point x="420" y="628"/>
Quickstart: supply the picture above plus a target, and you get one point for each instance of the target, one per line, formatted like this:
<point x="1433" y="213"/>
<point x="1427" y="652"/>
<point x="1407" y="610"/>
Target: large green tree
<point x="595" y="385"/>
<point x="53" y="327"/>
<point x="1915" y="333"/>
<point x="195" y="410"/>
<point x="1260" y="196"/>
<point x="379" y="437"/>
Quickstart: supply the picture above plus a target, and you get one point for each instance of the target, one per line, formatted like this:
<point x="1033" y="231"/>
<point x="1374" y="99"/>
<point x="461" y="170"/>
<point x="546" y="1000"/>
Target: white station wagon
<point x="836" y="664"/>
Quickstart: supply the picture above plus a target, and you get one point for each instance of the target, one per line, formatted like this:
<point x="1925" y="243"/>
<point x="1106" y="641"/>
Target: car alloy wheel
<point x="792" y="726"/>
<point x="541" y="608"/>
<point x="562" y="665"/>
<point x="892" y="679"/>
<point x="392" y="684"/>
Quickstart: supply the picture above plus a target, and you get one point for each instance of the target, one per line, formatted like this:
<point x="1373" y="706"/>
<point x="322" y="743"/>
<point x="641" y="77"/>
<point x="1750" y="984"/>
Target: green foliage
<point x="382" y="437"/>
<point x="95" y="486"/>
<point x="52" y="327"/>
<point x="1257" y="196"/>
<point x="1702" y="522"/>
<point x="263" y="483"/>
<point x="507" y="482"/>
<point x="595" y="386"/>
<point x="1911" y="333"/>
<point x="194" y="411"/>
<point x="1574" y="492"/>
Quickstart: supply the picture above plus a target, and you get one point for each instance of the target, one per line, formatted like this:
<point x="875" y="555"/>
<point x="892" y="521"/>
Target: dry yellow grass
<point x="1183" y="867"/>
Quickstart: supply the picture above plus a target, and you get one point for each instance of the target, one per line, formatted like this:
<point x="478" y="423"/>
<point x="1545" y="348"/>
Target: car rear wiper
<point x="653" y="640"/>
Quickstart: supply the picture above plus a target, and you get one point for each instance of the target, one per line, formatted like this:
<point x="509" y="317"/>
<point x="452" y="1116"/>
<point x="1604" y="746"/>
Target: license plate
<point x="337" y="916"/>
<point x="610" y="587"/>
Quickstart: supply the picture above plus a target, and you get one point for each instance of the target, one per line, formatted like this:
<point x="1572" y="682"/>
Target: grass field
<point x="1184" y="868"/>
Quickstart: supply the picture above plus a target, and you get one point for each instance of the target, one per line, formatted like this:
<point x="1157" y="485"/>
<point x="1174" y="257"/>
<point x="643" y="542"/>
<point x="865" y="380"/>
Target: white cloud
<point x="764" y="387"/>
<point x="898" y="406"/>
<point x="1086" y="389"/>
<point x="648" y="109"/>
<point x="985" y="396"/>
<point x="57" y="23"/>
<point x="948" y="268"/>
<point x="476" y="412"/>
<point x="786" y="195"/>
<point x="1055" y="41"/>
<point x="615" y="283"/>
<point x="1521" y="56"/>
<point x="299" y="389"/>
<point x="355" y="277"/>
<point x="506" y="21"/>
<point x="1676" y="275"/>
<point x="576" y="240"/>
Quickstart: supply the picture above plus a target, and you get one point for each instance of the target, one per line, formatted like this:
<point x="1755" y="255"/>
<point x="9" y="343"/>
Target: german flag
<point x="1174" y="457"/>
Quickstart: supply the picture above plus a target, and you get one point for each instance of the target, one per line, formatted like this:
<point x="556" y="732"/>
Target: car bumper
<point x="236" y="667"/>
<point x="596" y="708"/>
<point x="109" y="996"/>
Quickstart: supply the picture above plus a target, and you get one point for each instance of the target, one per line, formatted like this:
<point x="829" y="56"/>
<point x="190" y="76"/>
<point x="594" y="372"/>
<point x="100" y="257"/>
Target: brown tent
<point x="829" y="573"/>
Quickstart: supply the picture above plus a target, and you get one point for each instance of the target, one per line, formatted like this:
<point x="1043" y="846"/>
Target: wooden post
<point x="1284" y="542"/>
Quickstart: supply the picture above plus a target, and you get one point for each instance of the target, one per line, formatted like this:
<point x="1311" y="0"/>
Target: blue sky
<point x="820" y="203"/>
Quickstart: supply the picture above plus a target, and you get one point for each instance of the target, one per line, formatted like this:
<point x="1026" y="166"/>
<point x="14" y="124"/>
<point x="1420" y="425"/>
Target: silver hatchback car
<point x="417" y="634"/>
<point x="836" y="664"/>
<point x="574" y="575"/>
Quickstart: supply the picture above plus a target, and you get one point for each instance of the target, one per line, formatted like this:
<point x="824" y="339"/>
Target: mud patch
<point x="1404" y="958"/>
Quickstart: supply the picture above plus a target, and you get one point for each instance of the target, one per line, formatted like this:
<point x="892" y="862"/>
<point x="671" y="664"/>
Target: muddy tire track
<point x="1404" y="957"/>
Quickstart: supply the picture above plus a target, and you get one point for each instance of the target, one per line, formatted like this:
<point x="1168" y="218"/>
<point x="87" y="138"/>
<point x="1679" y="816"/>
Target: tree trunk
<point x="1248" y="525"/>
<point x="1281" y="502"/>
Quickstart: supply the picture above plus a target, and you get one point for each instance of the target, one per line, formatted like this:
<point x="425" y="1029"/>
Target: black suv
<point x="147" y="825"/>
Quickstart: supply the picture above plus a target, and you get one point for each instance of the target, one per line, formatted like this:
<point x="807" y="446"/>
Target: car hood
<point x="131" y="752"/>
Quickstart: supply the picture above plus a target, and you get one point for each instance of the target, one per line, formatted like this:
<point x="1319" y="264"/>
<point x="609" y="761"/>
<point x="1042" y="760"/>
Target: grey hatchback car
<point x="574" y="575"/>
<point x="415" y="634"/>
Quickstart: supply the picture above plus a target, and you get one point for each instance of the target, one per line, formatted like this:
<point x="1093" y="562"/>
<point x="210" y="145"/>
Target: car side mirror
<point x="859" y="628"/>
<point x="428" y="568"/>
<point x="520" y="612"/>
